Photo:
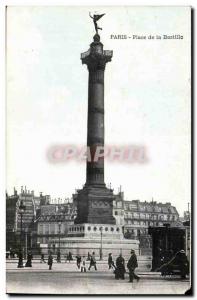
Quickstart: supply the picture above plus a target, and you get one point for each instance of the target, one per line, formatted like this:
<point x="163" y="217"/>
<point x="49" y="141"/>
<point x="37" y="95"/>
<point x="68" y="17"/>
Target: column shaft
<point x="95" y="136"/>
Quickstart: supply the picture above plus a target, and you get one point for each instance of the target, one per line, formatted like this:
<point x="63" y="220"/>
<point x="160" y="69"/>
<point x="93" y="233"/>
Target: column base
<point x="95" y="205"/>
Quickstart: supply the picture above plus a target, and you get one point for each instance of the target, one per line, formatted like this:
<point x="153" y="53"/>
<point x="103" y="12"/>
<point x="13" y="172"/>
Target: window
<point x="136" y="215"/>
<point x="41" y="229"/>
<point x="46" y="228"/>
<point x="116" y="213"/>
<point x="89" y="228"/>
<point x="52" y="228"/>
<point x="119" y="204"/>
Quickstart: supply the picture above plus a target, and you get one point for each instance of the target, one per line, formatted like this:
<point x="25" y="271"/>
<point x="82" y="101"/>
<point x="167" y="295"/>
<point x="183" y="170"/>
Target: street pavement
<point x="65" y="278"/>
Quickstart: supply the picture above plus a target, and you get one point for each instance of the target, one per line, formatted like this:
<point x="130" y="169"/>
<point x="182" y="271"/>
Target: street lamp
<point x="26" y="242"/>
<point x="21" y="211"/>
<point x="59" y="232"/>
<point x="101" y="249"/>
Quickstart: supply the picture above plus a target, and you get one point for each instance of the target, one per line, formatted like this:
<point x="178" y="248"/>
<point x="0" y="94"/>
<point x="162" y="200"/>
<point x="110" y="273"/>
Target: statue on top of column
<point x="95" y="19"/>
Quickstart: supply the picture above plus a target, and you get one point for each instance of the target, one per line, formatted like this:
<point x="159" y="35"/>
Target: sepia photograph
<point x="98" y="150"/>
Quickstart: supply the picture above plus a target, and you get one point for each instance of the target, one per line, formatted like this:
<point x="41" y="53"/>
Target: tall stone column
<point x="95" y="59"/>
<point x="95" y="200"/>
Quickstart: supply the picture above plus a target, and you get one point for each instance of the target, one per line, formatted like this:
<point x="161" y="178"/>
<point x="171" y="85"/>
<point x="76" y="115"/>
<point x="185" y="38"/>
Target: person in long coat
<point x="42" y="258"/>
<point x="92" y="262"/>
<point x="20" y="259"/>
<point x="110" y="260"/>
<point x="132" y="265"/>
<point x="78" y="257"/>
<point x="50" y="261"/>
<point x="120" y="268"/>
<point x="29" y="260"/>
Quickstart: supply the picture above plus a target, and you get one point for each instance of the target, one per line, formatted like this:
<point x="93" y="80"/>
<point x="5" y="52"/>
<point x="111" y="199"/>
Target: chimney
<point x="15" y="192"/>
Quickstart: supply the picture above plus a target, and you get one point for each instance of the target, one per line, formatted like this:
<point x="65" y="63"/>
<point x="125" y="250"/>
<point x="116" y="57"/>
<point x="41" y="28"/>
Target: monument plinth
<point x="95" y="200"/>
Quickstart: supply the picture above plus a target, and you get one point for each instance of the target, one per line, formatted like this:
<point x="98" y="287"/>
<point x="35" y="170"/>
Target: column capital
<point x="96" y="58"/>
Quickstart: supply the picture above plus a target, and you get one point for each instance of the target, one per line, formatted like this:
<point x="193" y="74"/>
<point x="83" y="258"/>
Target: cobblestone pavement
<point x="65" y="278"/>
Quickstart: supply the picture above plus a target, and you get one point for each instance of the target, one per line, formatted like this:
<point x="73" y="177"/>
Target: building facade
<point x="45" y="220"/>
<point x="11" y="220"/>
<point x="139" y="215"/>
<point x="52" y="224"/>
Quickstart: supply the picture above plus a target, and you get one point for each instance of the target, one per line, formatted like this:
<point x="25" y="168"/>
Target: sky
<point x="147" y="98"/>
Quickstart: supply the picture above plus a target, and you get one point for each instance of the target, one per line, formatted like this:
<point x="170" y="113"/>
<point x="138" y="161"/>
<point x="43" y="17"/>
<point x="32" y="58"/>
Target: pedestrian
<point x="50" y="261"/>
<point x="58" y="257"/>
<point x="78" y="257"/>
<point x="183" y="263"/>
<point x="70" y="256"/>
<point x="120" y="268"/>
<point x="29" y="259"/>
<point x="42" y="258"/>
<point x="89" y="256"/>
<point x="132" y="265"/>
<point x="20" y="259"/>
<point x="92" y="262"/>
<point x="110" y="261"/>
<point x="83" y="264"/>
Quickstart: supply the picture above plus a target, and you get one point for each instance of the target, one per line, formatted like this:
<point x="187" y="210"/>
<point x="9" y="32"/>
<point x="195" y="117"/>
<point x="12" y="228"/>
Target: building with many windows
<point x="46" y="220"/>
<point x="52" y="223"/>
<point x="139" y="215"/>
<point x="11" y="220"/>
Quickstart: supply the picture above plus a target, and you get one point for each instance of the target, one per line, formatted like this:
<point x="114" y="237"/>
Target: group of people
<point x="29" y="259"/>
<point x="81" y="262"/>
<point x="178" y="261"/>
<point x="119" y="266"/>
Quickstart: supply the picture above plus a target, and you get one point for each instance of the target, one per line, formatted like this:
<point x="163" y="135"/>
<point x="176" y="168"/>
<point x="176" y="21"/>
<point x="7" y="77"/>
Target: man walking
<point x="92" y="262"/>
<point x="50" y="261"/>
<point x="110" y="260"/>
<point x="42" y="258"/>
<point x="131" y="265"/>
<point x="78" y="257"/>
<point x="29" y="260"/>
<point x="58" y="257"/>
<point x="120" y="268"/>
